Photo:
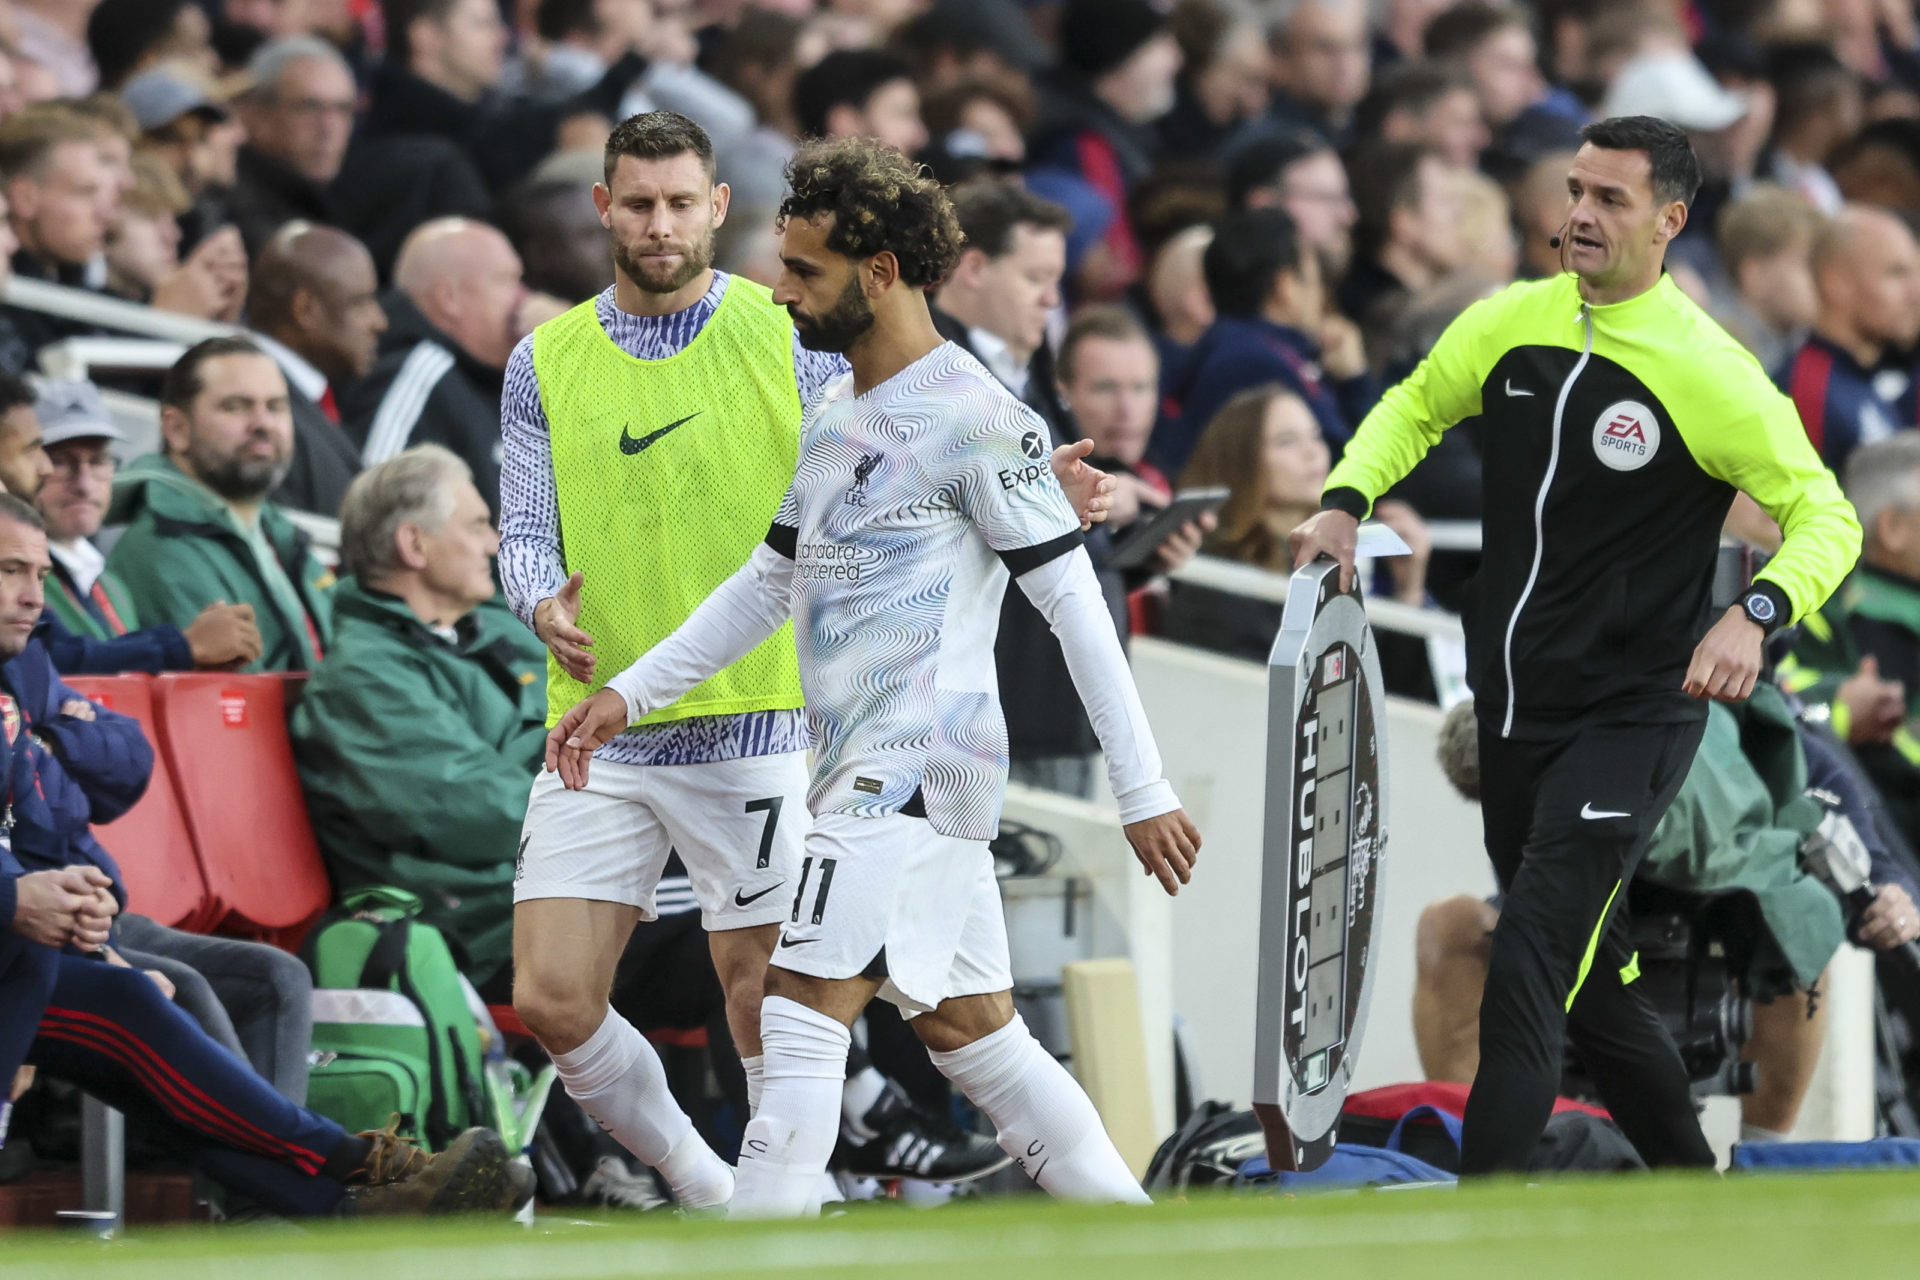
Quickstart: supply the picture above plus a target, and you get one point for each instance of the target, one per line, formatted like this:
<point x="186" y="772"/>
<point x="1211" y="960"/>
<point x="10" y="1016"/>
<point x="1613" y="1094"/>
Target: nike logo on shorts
<point x="1516" y="391"/>
<point x="742" y="901"/>
<point x="796" y="942"/>
<point x="1589" y="812"/>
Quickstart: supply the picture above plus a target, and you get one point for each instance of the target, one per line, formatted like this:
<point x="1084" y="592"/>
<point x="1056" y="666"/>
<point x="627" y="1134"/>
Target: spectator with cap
<point x="316" y="310"/>
<point x="194" y="136"/>
<point x="56" y="452"/>
<point x="1409" y="228"/>
<point x="1866" y="271"/>
<point x="1302" y="174"/>
<point x="453" y="318"/>
<point x="128" y="36"/>
<point x="1223" y="76"/>
<point x="1766" y="255"/>
<point x="1275" y="325"/>
<point x="1320" y="67"/>
<point x="1116" y="77"/>
<point x="1820" y="105"/>
<point x="1432" y="103"/>
<point x="199" y="527"/>
<point x="860" y="93"/>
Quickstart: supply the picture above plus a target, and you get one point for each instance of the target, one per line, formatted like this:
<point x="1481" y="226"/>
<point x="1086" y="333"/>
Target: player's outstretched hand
<point x="1333" y="534"/>
<point x="580" y="733"/>
<point x="1089" y="489"/>
<point x="1167" y="845"/>
<point x="1726" y="662"/>
<point x="553" y="622"/>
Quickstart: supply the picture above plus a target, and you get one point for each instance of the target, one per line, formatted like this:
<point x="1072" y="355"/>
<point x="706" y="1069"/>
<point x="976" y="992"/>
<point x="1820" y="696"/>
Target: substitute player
<point x="1620" y="421"/>
<point x="648" y="436"/>
<point x="921" y="485"/>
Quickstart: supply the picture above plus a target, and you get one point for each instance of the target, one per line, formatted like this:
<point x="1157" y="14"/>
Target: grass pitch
<point x="1624" y="1228"/>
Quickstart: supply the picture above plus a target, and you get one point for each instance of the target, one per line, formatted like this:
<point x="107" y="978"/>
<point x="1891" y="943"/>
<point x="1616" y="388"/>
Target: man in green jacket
<point x="417" y="735"/>
<point x="199" y="527"/>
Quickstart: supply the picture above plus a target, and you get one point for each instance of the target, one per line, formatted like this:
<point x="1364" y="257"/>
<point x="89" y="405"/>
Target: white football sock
<point x="616" y="1077"/>
<point x="863" y="1089"/>
<point x="786" y="1145"/>
<point x="1754" y="1133"/>
<point x="756" y="1069"/>
<point x="1044" y="1118"/>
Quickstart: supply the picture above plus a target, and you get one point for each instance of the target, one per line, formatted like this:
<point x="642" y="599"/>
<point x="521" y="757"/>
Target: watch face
<point x="1760" y="607"/>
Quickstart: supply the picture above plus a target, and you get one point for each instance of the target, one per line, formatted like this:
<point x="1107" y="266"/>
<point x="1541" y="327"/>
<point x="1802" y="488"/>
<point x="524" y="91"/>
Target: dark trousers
<point x="109" y="1031"/>
<point x="1567" y="821"/>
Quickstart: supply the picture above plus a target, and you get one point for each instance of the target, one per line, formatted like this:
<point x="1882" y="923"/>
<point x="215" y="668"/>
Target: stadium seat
<point x="226" y="739"/>
<point x="151" y="841"/>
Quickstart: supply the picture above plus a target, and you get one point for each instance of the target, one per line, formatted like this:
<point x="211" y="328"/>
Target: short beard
<point x="698" y="257"/>
<point x="234" y="480"/>
<point x="850" y="316"/>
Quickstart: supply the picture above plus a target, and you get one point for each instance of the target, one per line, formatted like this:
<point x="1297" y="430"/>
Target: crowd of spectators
<point x="1203" y="234"/>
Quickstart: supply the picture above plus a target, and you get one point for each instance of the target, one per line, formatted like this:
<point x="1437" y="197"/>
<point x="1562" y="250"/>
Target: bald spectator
<point x="1866" y="271"/>
<point x="1320" y="66"/>
<point x="316" y="310"/>
<point x="454" y="317"/>
<point x="299" y="119"/>
<point x="860" y="93"/>
<point x="1409" y="231"/>
<point x="1301" y="173"/>
<point x="1432" y="103"/>
<point x="1766" y="251"/>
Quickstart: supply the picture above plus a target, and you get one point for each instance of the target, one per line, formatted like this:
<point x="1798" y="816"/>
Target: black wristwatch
<point x="1762" y="609"/>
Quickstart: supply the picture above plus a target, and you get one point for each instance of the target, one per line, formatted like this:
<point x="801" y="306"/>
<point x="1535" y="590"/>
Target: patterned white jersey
<point x="909" y="507"/>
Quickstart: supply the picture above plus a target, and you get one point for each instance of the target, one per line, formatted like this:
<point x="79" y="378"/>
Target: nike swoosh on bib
<point x="1516" y="391"/>
<point x="1588" y="811"/>
<point x="630" y="446"/>
<point x="739" y="901"/>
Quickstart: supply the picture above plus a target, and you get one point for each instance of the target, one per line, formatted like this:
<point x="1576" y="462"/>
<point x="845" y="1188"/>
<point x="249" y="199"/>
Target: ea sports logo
<point x="1626" y="436"/>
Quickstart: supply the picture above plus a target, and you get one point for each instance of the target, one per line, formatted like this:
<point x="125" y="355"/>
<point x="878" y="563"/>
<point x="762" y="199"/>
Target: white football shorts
<point x="737" y="824"/>
<point x="891" y="897"/>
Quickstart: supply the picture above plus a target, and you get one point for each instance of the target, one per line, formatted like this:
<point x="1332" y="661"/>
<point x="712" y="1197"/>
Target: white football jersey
<point x="909" y="507"/>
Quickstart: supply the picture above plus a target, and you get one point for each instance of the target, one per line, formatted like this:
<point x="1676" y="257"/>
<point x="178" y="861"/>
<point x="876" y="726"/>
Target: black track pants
<point x="1567" y="821"/>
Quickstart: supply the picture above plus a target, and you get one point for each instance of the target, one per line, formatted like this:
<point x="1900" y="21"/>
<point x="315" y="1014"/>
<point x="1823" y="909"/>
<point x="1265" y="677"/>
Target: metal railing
<point x="82" y="306"/>
<point x="1260" y="584"/>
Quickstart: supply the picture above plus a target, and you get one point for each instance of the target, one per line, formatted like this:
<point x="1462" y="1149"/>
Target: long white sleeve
<point x="1067" y="594"/>
<point x="741" y="613"/>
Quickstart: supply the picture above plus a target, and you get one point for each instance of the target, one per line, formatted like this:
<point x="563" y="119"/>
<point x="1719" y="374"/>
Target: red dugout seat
<point x="226" y="739"/>
<point x="150" y="841"/>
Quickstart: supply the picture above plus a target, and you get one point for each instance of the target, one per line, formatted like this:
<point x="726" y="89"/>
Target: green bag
<point x="392" y="1028"/>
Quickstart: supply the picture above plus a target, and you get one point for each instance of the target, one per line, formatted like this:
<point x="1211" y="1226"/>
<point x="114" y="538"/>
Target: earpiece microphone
<point x="1553" y="242"/>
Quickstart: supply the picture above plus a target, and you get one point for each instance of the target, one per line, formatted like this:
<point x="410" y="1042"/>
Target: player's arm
<point x="739" y="615"/>
<point x="1750" y="435"/>
<point x="1409" y="420"/>
<point x="1025" y="517"/>
<point x="1067" y="594"/>
<point x="533" y="568"/>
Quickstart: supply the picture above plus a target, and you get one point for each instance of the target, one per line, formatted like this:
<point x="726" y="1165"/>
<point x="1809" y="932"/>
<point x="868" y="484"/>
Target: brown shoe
<point x="473" y="1175"/>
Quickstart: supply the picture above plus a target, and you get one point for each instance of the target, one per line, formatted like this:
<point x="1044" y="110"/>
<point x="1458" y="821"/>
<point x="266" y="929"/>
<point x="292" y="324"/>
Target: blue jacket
<point x="1240" y="352"/>
<point x="162" y="647"/>
<point x="1839" y="403"/>
<point x="64" y="773"/>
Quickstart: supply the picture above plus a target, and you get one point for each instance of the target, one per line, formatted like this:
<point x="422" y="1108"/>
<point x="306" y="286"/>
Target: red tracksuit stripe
<point x="181" y="1110"/>
<point x="1807" y="384"/>
<point x="309" y="1161"/>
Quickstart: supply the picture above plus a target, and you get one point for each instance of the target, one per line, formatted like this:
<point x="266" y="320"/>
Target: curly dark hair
<point x="880" y="201"/>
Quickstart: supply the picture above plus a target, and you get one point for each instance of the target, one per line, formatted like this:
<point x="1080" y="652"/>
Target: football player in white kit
<point x="922" y="485"/>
